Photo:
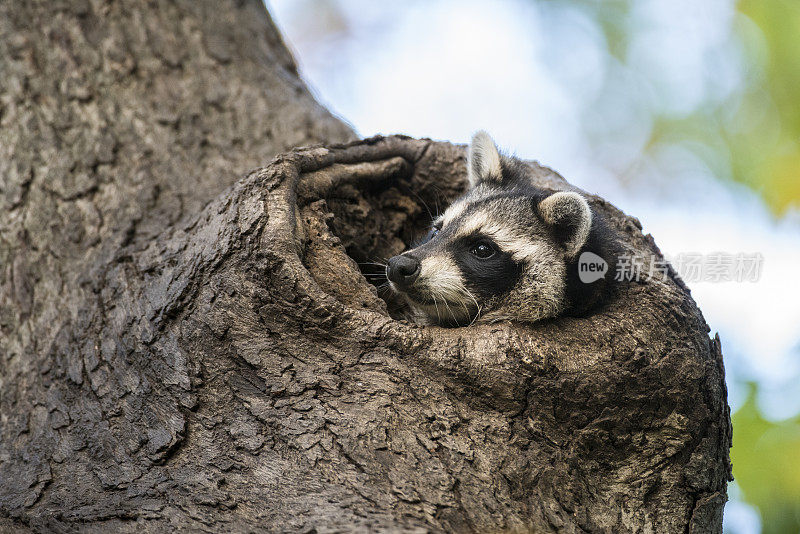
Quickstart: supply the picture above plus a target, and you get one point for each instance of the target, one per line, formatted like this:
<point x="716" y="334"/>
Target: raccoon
<point x="505" y="250"/>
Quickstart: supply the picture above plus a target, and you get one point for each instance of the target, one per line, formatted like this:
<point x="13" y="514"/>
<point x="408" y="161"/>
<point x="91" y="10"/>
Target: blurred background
<point x="683" y="113"/>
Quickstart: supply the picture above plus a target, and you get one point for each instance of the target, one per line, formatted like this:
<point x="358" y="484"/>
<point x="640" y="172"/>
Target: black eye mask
<point x="488" y="276"/>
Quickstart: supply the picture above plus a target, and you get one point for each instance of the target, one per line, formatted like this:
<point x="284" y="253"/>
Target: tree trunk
<point x="179" y="349"/>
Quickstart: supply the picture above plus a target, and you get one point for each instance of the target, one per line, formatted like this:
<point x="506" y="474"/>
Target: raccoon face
<point x="499" y="252"/>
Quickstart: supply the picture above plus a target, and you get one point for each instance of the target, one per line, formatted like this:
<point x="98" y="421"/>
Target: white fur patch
<point x="442" y="276"/>
<point x="521" y="248"/>
<point x="453" y="212"/>
<point x="442" y="280"/>
<point x="483" y="163"/>
<point x="457" y="208"/>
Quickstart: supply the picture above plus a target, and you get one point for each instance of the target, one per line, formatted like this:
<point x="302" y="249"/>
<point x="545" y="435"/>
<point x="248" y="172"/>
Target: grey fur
<point x="568" y="208"/>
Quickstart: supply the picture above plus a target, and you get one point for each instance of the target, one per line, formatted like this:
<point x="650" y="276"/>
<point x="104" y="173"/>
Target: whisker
<point x="386" y="242"/>
<point x="472" y="322"/>
<point x="478" y="313"/>
<point x="439" y="195"/>
<point x="466" y="310"/>
<point x="423" y="202"/>
<point x="435" y="305"/>
<point x="452" y="313"/>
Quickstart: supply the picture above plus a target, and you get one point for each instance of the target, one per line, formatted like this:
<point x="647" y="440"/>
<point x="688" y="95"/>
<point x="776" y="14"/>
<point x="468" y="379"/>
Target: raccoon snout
<point x="403" y="270"/>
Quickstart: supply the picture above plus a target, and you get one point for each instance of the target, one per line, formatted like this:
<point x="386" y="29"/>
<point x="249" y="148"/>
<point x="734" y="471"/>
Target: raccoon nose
<point x="403" y="270"/>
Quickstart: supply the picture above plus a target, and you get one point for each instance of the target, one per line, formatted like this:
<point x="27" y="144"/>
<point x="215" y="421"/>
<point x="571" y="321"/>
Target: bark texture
<point x="179" y="349"/>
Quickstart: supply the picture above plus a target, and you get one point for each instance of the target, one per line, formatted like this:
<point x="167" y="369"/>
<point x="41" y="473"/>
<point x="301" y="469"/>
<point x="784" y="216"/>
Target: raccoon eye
<point x="482" y="250"/>
<point x="431" y="234"/>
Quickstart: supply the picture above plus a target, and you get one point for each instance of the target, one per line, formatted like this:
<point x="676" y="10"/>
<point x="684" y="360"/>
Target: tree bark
<point x="184" y="350"/>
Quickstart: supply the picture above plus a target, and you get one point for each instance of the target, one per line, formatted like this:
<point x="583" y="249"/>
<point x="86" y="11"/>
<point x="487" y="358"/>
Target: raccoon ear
<point x="483" y="164"/>
<point x="570" y="215"/>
